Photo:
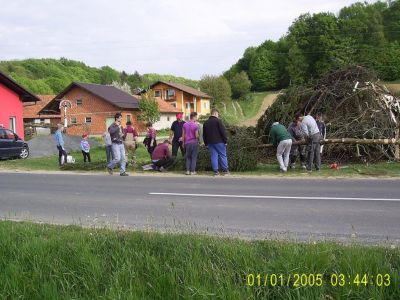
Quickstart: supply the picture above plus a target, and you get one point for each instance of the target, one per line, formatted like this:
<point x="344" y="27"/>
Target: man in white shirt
<point x="311" y="133"/>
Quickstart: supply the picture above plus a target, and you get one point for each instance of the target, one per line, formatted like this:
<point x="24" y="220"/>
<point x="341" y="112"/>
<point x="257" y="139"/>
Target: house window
<point x="73" y="120"/>
<point x="128" y="118"/>
<point x="173" y="104"/>
<point x="187" y="105"/>
<point x="170" y="93"/>
<point x="157" y="93"/>
<point x="205" y="105"/>
<point x="47" y="121"/>
<point x="168" y="118"/>
<point x="88" y="120"/>
<point x="79" y="101"/>
<point x="13" y="124"/>
<point x="37" y="121"/>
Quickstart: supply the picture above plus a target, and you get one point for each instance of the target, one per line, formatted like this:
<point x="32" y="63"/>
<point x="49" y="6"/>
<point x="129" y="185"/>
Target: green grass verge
<point x="391" y="169"/>
<point x="68" y="262"/>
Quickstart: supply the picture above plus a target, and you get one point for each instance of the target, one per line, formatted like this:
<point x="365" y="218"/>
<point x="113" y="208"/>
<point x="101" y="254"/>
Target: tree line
<point x="361" y="34"/>
<point x="51" y="76"/>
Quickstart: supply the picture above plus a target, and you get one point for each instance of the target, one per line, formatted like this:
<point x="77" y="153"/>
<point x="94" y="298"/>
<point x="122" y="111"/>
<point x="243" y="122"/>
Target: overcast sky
<point x="181" y="37"/>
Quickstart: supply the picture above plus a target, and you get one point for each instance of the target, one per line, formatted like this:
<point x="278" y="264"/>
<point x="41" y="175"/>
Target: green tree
<point x="240" y="85"/>
<point x="148" y="106"/>
<point x="217" y="87"/>
<point x="108" y="75"/>
<point x="263" y="69"/>
<point x="391" y="21"/>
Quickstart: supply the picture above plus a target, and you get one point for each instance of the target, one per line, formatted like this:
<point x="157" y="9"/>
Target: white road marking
<point x="276" y="197"/>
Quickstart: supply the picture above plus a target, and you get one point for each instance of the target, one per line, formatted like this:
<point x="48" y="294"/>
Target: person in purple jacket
<point x="190" y="138"/>
<point x="85" y="147"/>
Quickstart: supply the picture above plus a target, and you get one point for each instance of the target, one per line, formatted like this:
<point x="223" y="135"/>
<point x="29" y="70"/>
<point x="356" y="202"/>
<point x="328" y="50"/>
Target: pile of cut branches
<point x="353" y="105"/>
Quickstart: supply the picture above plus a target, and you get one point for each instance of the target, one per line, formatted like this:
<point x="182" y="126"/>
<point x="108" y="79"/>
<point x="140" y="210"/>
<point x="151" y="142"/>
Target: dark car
<point x="11" y="145"/>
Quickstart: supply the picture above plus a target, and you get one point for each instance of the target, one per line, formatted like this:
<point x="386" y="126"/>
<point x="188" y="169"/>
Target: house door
<point x="109" y="121"/>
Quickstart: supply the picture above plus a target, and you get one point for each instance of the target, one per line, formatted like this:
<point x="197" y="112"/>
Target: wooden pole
<point x="349" y="141"/>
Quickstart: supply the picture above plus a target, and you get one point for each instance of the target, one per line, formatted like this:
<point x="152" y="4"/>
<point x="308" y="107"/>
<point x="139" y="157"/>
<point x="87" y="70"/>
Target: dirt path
<point x="268" y="100"/>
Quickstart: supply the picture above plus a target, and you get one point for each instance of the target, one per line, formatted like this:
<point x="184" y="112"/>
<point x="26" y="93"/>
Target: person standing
<point x="150" y="141"/>
<point x="190" y="138"/>
<point x="161" y="157"/>
<point x="108" y="146"/>
<point x="282" y="140"/>
<point x="297" y="150"/>
<point x="85" y="147"/>
<point x="322" y="128"/>
<point x="130" y="141"/>
<point x="175" y="135"/>
<point x="214" y="136"/>
<point x="118" y="148"/>
<point x="62" y="154"/>
<point x="311" y="133"/>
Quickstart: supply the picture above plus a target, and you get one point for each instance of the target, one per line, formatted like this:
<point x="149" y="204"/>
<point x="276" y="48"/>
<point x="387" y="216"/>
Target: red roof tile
<point x="31" y="110"/>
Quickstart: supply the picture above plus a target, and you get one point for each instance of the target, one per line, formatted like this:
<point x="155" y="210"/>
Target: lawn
<point x="68" y="262"/>
<point x="385" y="169"/>
<point x="252" y="105"/>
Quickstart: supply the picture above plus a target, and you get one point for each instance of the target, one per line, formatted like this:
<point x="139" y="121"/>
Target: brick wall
<point x="95" y="108"/>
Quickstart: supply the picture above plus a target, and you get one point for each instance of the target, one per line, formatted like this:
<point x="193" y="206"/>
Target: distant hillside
<point x="51" y="76"/>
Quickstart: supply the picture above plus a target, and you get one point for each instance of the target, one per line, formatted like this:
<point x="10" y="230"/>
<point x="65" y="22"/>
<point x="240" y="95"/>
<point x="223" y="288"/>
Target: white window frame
<point x="74" y="119"/>
<point x="13" y="123"/>
<point x="86" y="120"/>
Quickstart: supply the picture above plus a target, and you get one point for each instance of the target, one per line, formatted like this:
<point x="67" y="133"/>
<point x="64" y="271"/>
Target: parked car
<point x="11" y="145"/>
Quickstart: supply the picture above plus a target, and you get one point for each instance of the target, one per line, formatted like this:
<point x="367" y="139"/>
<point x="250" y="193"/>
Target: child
<point x="150" y="140"/>
<point x="85" y="147"/>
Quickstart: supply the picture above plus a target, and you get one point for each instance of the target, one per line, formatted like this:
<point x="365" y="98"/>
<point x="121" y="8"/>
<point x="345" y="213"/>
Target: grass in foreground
<point x="68" y="262"/>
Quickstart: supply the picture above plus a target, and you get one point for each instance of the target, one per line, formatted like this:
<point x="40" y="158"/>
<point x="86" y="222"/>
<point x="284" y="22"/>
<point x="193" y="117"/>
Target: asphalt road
<point x="367" y="210"/>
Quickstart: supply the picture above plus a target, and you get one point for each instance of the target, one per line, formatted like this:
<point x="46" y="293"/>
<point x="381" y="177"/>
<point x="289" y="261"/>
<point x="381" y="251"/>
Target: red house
<point x="12" y="95"/>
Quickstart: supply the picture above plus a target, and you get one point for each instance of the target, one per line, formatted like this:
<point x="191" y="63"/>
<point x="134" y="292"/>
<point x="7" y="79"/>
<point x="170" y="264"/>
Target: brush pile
<point x="353" y="105"/>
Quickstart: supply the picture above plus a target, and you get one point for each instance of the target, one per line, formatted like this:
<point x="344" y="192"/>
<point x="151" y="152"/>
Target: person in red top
<point x="130" y="141"/>
<point x="150" y="140"/>
<point x="161" y="156"/>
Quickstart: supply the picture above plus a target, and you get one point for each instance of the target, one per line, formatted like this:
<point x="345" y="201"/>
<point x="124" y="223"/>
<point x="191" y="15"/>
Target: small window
<point x="170" y="93"/>
<point x="168" y="118"/>
<point x="205" y="105"/>
<point x="157" y="93"/>
<point x="128" y="118"/>
<point x="37" y="121"/>
<point x="79" y="101"/>
<point x="173" y="104"/>
<point x="73" y="120"/>
<point x="187" y="105"/>
<point x="47" y="121"/>
<point x="88" y="120"/>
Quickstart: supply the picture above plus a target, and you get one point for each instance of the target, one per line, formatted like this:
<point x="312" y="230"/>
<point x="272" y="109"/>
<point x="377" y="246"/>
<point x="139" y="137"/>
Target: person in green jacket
<point x="281" y="139"/>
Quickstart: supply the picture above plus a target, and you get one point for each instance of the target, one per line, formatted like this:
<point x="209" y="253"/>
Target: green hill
<point x="51" y="76"/>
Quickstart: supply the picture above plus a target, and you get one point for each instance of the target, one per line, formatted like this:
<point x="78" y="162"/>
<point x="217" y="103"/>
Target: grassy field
<point x="68" y="262"/>
<point x="383" y="169"/>
<point x="249" y="107"/>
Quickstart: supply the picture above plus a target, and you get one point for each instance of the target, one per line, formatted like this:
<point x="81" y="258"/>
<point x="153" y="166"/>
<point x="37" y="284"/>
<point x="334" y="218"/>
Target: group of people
<point x="184" y="136"/>
<point x="121" y="143"/>
<point x="303" y="129"/>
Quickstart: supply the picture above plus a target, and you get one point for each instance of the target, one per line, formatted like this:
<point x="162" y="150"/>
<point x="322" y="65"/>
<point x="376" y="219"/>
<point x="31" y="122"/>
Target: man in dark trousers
<point x="313" y="137"/>
<point x="214" y="136"/>
<point x="175" y="135"/>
